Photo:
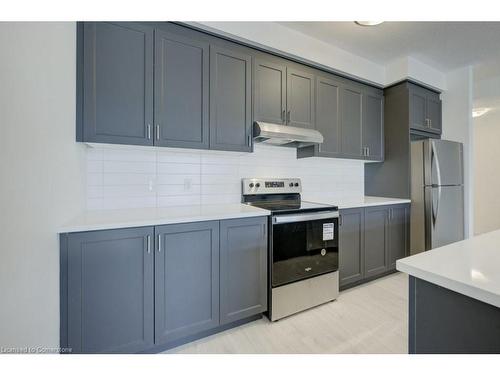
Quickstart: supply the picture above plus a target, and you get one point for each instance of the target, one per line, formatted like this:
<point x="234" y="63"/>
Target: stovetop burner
<point x="279" y="196"/>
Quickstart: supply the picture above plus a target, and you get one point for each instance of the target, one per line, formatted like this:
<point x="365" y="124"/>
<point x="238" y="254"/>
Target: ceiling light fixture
<point x="368" y="23"/>
<point x="477" y="112"/>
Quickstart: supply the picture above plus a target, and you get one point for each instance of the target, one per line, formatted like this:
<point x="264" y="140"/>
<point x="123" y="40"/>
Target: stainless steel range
<point x="303" y="245"/>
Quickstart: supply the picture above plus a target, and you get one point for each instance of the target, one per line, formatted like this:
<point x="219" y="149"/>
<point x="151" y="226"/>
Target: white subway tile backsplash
<point x="178" y="179"/>
<point x="130" y="177"/>
<point x="129" y="167"/>
<point x="178" y="168"/>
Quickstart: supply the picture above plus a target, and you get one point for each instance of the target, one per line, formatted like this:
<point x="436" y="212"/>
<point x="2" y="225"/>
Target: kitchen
<point x="228" y="192"/>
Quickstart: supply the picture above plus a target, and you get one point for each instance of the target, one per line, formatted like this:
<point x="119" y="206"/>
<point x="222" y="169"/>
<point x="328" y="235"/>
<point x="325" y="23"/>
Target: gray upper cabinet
<point x="425" y="109"/>
<point x="186" y="280"/>
<point x="269" y="92"/>
<point x="351" y="122"/>
<point x="351" y="245"/>
<point x="243" y="268"/>
<point x="230" y="100"/>
<point x="300" y="99"/>
<point x="328" y="116"/>
<point x="181" y="99"/>
<point x="418" y="114"/>
<point x="376" y="240"/>
<point x="434" y="112"/>
<point x="373" y="127"/>
<point x="398" y="233"/>
<point x="108" y="302"/>
<point x="115" y="83"/>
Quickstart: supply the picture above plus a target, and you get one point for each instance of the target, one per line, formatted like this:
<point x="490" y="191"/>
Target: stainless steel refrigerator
<point x="437" y="194"/>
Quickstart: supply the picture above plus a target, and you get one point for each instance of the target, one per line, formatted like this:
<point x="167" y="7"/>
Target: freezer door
<point x="444" y="215"/>
<point x="443" y="162"/>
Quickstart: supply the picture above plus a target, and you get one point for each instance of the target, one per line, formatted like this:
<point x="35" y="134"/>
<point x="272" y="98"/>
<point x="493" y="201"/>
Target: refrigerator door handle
<point x="435" y="206"/>
<point x="435" y="164"/>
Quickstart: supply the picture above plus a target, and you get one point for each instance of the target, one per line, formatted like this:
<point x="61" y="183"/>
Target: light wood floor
<point x="371" y="318"/>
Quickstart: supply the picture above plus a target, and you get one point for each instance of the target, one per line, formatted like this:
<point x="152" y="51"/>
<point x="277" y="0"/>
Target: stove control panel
<point x="253" y="186"/>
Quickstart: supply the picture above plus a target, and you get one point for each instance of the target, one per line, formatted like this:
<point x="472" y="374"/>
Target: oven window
<point x="304" y="249"/>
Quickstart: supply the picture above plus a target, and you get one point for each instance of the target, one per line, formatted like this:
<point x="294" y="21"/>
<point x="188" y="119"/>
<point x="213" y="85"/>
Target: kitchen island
<point x="454" y="297"/>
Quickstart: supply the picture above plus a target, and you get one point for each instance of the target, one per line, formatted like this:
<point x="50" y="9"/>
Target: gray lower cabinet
<point x="399" y="233"/>
<point x="145" y="289"/>
<point x="107" y="291"/>
<point x="181" y="99"/>
<point x="351" y="245"/>
<point x="243" y="268"/>
<point x="269" y="92"/>
<point x="376" y="240"/>
<point x="371" y="239"/>
<point x="115" y="83"/>
<point x="230" y="100"/>
<point x="186" y="280"/>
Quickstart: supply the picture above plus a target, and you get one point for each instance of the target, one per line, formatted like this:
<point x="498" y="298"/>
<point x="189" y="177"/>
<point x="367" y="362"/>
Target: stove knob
<point x="296" y="184"/>
<point x="291" y="184"/>
<point x="257" y="185"/>
<point x="251" y="184"/>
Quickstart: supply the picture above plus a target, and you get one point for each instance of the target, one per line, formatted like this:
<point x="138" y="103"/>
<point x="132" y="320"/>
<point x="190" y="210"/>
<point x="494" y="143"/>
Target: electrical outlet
<point x="187" y="184"/>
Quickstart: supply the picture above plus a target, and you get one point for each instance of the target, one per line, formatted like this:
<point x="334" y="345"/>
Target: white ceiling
<point x="442" y="45"/>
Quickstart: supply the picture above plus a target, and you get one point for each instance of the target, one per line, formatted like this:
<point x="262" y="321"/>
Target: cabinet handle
<point x="368" y="151"/>
<point x="249" y="139"/>
<point x="340" y="220"/>
<point x="159" y="243"/>
<point x="157" y="132"/>
<point x="149" y="131"/>
<point x="149" y="243"/>
<point x="283" y="117"/>
<point x="288" y="117"/>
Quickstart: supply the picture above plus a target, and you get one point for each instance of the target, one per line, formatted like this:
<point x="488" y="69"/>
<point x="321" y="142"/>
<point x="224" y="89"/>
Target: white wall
<point x="409" y="67"/>
<point x="127" y="177"/>
<point x="457" y="126"/>
<point x="42" y="175"/>
<point x="284" y="39"/>
<point x="486" y="148"/>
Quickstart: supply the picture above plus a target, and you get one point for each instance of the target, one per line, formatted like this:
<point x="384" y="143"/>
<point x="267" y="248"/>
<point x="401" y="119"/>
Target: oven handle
<point x="282" y="219"/>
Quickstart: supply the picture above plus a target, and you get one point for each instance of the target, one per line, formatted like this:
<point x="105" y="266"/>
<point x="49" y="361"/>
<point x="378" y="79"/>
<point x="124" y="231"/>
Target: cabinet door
<point x="230" y="100"/>
<point x="376" y="240"/>
<point x="186" y="280"/>
<point x="110" y="291"/>
<point x="243" y="268"/>
<point x="181" y="91"/>
<point x="351" y="237"/>
<point x="434" y="112"/>
<point x="351" y="115"/>
<point x="300" y="99"/>
<point x="398" y="233"/>
<point x="328" y="115"/>
<point x="373" y="126"/>
<point x="418" y="108"/>
<point x="269" y="92"/>
<point x="117" y="83"/>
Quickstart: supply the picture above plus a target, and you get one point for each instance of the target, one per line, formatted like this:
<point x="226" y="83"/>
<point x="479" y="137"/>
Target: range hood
<point x="283" y="135"/>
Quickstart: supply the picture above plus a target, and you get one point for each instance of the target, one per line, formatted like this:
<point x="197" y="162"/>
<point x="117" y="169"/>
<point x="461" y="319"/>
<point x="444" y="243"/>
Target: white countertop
<point x="366" y="201"/>
<point x="139" y="217"/>
<point x="470" y="267"/>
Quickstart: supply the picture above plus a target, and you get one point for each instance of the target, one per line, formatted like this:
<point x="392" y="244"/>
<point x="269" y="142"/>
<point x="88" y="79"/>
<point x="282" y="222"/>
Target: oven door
<point x="304" y="245"/>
